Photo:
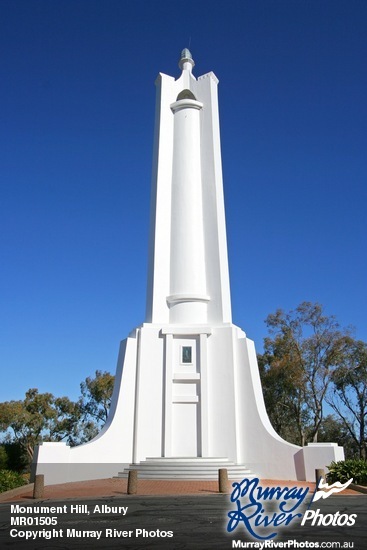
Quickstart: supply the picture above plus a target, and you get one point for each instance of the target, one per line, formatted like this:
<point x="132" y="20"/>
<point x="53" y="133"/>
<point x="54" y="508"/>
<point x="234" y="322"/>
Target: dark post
<point x="39" y="485"/>
<point x="132" y="482"/>
<point x="319" y="473"/>
<point x="223" y="480"/>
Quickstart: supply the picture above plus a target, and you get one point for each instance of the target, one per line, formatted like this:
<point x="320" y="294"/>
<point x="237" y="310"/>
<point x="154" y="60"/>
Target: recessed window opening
<point x="186" y="355"/>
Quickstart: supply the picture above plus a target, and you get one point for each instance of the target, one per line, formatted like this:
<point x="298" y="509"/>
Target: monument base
<point x="189" y="392"/>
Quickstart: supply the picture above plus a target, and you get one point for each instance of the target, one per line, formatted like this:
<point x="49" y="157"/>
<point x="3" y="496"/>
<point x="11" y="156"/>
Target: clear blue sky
<point x="77" y="113"/>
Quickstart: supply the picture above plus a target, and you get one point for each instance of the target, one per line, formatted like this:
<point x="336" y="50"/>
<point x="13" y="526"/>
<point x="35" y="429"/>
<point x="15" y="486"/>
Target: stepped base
<point x="195" y="468"/>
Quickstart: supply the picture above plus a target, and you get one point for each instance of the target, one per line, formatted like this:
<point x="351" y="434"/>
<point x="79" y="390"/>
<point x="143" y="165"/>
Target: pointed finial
<point x="186" y="60"/>
<point x="186" y="54"/>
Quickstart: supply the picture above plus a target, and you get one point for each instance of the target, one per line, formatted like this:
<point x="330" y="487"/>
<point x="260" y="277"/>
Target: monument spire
<point x="188" y="280"/>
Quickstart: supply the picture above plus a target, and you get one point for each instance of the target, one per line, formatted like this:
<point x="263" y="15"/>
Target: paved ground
<point x="164" y="515"/>
<point x="115" y="487"/>
<point x="195" y="522"/>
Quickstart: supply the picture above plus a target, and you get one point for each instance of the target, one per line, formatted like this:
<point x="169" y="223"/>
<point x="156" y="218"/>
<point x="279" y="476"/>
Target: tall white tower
<point x="187" y="388"/>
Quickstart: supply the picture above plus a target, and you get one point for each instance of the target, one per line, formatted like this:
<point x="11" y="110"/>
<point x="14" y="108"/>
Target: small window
<point x="186" y="357"/>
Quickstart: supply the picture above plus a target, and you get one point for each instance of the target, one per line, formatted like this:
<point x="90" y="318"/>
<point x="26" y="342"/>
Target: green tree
<point x="16" y="458"/>
<point x="3" y="458"/>
<point x="44" y="417"/>
<point x="284" y="399"/>
<point x="348" y="396"/>
<point x="39" y="417"/>
<point x="303" y="350"/>
<point x="333" y="429"/>
<point x="95" y="401"/>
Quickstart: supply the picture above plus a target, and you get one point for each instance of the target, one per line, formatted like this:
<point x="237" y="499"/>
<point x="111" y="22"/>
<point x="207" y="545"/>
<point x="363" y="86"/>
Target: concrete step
<point x="194" y="468"/>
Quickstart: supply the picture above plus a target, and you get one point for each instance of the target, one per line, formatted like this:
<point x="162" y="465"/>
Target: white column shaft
<point x="188" y="278"/>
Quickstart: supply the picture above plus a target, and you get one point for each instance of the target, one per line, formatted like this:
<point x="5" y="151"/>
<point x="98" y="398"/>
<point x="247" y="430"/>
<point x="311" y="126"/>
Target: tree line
<point x="314" y="378"/>
<point x="43" y="417"/>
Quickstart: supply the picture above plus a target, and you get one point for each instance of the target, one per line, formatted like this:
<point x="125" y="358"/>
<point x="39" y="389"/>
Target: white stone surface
<point x="319" y="456"/>
<point x="187" y="380"/>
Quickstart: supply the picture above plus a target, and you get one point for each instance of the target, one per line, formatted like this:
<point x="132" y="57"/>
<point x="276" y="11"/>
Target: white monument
<point x="187" y="394"/>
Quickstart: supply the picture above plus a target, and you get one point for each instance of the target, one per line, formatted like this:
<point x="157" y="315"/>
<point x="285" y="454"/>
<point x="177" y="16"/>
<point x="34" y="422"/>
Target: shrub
<point x="3" y="458"/>
<point x="344" y="470"/>
<point x="10" y="480"/>
<point x="17" y="460"/>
